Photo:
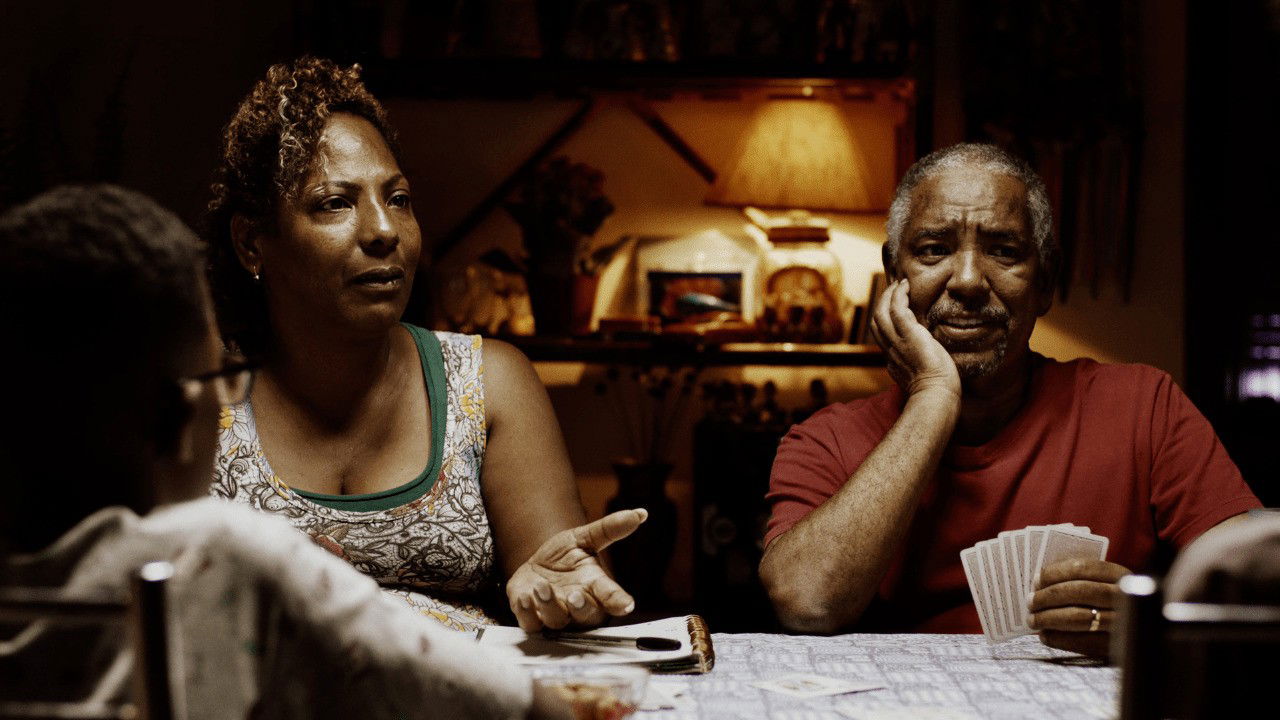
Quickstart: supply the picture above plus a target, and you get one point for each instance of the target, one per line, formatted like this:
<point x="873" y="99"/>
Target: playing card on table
<point x="804" y="685"/>
<point x="905" y="713"/>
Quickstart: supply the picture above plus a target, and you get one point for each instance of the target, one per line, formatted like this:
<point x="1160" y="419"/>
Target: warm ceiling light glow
<point x="797" y="154"/>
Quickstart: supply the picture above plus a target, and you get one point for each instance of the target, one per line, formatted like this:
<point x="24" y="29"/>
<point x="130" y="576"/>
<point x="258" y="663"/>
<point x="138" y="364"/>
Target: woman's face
<point x="347" y="243"/>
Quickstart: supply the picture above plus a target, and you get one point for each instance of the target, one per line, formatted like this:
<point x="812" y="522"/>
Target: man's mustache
<point x="943" y="312"/>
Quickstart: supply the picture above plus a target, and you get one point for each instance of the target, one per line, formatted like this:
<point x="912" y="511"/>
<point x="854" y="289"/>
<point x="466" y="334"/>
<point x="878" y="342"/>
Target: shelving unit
<point x="684" y="352"/>
<point x="515" y="78"/>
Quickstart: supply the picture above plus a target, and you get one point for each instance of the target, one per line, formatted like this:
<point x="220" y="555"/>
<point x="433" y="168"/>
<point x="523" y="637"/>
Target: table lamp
<point x="797" y="155"/>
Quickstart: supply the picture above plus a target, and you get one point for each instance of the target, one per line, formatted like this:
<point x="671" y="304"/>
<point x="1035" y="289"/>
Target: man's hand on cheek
<point x="1074" y="605"/>
<point x="917" y="361"/>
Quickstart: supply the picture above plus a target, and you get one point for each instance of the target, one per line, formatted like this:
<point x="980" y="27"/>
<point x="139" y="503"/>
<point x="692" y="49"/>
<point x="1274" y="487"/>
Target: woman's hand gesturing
<point x="563" y="581"/>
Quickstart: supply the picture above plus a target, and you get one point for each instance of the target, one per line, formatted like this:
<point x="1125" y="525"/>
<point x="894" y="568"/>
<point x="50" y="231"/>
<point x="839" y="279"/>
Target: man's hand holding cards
<point x="1050" y="579"/>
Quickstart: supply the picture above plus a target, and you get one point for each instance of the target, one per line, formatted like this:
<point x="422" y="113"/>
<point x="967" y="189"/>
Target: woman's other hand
<point x="563" y="581"/>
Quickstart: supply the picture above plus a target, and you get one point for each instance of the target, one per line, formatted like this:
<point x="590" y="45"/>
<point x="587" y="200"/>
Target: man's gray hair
<point x="986" y="157"/>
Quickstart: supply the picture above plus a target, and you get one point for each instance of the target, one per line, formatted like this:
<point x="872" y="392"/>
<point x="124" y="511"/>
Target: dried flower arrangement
<point x="559" y="208"/>
<point x="649" y="402"/>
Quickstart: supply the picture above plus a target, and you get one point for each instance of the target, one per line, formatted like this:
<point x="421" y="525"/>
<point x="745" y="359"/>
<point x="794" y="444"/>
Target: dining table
<point x="930" y="676"/>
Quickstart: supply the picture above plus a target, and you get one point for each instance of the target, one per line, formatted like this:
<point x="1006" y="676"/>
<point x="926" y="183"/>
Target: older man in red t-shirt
<point x="872" y="501"/>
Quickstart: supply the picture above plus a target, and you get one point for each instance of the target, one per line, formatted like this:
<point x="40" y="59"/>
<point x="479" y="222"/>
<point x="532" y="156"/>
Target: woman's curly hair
<point x="267" y="148"/>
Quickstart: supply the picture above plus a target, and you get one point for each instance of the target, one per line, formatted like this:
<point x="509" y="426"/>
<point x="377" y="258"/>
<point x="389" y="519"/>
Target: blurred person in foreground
<point x="872" y="501"/>
<point x="431" y="461"/>
<point x="116" y="377"/>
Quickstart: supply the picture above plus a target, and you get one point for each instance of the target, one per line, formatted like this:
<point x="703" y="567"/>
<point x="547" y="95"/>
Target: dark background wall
<point x="134" y="92"/>
<point x="1233" y="245"/>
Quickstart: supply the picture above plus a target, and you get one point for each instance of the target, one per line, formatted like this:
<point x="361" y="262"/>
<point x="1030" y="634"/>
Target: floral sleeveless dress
<point x="436" y="551"/>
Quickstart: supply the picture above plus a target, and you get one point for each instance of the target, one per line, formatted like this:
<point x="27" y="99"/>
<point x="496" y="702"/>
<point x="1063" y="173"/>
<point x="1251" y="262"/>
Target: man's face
<point x="974" y="272"/>
<point x="186" y="474"/>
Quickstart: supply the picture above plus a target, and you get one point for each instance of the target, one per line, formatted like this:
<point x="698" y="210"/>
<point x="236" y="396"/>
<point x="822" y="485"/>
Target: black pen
<point x="638" y="643"/>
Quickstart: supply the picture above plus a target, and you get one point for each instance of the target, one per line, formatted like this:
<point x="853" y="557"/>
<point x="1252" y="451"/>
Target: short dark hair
<point x="267" y="149"/>
<point x="992" y="158"/>
<point x="101" y="291"/>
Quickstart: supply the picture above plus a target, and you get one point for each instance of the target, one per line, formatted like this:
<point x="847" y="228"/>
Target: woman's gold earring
<point x="257" y="277"/>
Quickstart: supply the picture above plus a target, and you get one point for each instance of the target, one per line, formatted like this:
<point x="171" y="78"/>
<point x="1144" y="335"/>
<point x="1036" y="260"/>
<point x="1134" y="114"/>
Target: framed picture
<point x="694" y="278"/>
<point x="694" y="296"/>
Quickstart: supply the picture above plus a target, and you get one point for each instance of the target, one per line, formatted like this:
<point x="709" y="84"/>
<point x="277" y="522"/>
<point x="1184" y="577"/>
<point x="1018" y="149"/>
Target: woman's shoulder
<point x="506" y="365"/>
<point x="450" y="342"/>
<point x="502" y="365"/>
<point x="495" y="354"/>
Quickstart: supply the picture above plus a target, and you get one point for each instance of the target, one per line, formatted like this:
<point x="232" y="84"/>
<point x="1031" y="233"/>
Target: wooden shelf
<point x="522" y="78"/>
<point x="685" y="352"/>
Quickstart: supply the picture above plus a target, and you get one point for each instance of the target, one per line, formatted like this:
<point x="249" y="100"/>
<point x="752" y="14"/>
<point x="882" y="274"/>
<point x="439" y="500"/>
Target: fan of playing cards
<point x="1002" y="572"/>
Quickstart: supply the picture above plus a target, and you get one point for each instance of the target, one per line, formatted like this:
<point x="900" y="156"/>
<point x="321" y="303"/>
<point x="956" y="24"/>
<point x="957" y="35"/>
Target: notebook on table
<point x="695" y="654"/>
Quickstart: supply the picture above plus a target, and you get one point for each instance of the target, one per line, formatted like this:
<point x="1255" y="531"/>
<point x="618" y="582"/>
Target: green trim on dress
<point x="432" y="359"/>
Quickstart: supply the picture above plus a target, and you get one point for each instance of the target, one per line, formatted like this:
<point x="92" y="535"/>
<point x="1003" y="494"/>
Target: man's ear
<point x="890" y="267"/>
<point x="1045" y="301"/>
<point x="1046" y="285"/>
<point x="245" y="239"/>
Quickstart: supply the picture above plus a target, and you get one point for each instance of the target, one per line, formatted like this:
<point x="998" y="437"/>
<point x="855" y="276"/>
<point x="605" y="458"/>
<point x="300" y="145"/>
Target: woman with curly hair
<point x="431" y="461"/>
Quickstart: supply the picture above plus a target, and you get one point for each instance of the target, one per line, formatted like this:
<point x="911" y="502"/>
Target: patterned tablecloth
<point x="961" y="673"/>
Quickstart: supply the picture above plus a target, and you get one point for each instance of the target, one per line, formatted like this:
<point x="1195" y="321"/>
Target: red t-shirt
<point x="1117" y="448"/>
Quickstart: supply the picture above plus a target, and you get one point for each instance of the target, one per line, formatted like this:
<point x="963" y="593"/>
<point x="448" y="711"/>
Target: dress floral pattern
<point x="435" y="553"/>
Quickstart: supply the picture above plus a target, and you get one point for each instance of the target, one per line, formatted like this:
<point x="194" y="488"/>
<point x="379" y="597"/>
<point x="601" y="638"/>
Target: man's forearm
<point x="823" y="571"/>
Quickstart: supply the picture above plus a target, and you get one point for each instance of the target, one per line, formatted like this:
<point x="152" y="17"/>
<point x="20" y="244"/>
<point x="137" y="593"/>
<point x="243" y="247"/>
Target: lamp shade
<point x="797" y="154"/>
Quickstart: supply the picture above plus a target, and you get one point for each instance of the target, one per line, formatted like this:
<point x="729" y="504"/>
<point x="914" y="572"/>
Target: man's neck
<point x="988" y="403"/>
<point x="326" y="372"/>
